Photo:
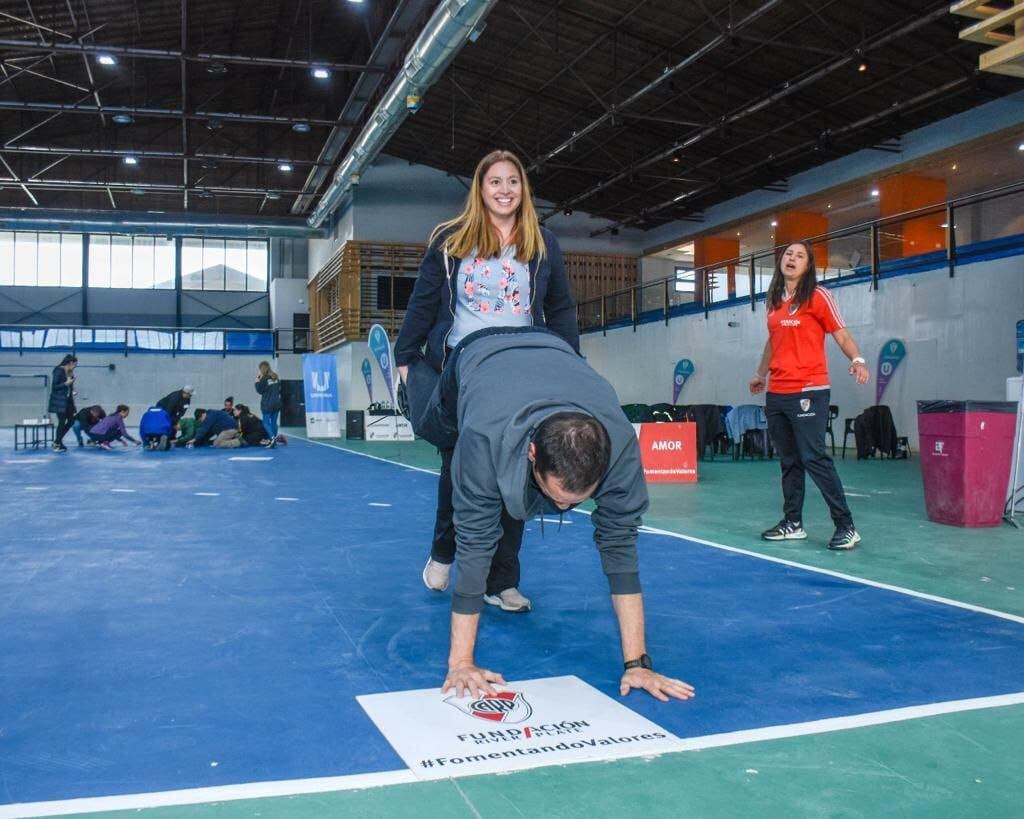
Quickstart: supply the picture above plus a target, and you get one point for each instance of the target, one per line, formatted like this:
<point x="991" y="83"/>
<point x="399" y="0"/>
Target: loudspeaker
<point x="354" y="425"/>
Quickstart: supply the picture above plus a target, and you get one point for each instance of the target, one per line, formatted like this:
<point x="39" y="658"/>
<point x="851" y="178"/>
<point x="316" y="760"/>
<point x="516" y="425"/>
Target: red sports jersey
<point x="798" y="343"/>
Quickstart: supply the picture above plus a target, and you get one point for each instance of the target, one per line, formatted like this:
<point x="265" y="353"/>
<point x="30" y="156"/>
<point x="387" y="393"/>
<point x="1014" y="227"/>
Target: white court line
<point x="296" y="787"/>
<point x="852" y="578"/>
<point x="197" y="796"/>
<point x="207" y="494"/>
<point x="286" y="499"/>
<point x="122" y="490"/>
<point x="379" y="504"/>
<point x="252" y="458"/>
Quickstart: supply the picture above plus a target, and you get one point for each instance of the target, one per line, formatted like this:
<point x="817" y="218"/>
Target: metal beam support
<point x="85" y="279"/>
<point x="703" y="51"/>
<point x="184" y="101"/>
<point x="166" y="113"/>
<point x="951" y="239"/>
<point x="173" y="55"/>
<point x="790" y="152"/>
<point x="148" y="187"/>
<point x="145" y="153"/>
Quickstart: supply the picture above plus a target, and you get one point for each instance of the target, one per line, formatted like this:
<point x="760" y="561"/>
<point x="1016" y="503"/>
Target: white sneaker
<point x="509" y="600"/>
<point x="435" y="575"/>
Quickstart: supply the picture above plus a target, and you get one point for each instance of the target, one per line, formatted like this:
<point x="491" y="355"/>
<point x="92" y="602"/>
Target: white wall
<point x="959" y="335"/>
<point x="138" y="380"/>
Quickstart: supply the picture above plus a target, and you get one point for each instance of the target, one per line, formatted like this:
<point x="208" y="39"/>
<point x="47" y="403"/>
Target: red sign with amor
<point x="669" y="452"/>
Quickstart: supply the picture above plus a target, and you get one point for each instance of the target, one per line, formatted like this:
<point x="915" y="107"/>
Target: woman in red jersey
<point x="800" y="314"/>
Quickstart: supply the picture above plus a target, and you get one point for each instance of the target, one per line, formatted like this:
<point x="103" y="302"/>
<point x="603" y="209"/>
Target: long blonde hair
<point x="472" y="230"/>
<point x="265" y="370"/>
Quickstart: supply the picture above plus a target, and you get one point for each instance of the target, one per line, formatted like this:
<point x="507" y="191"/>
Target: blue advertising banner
<point x="684" y="369"/>
<point x="893" y="352"/>
<point x="368" y="377"/>
<point x="320" y="384"/>
<point x="380" y="349"/>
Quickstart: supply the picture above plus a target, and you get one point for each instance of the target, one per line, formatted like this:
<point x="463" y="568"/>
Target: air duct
<point x="447" y="30"/>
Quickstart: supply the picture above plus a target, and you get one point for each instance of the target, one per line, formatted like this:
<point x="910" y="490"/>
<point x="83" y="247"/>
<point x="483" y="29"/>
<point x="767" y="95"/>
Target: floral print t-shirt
<point x="490" y="293"/>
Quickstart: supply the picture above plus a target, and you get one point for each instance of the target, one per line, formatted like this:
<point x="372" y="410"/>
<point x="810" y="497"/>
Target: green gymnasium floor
<point x="962" y="764"/>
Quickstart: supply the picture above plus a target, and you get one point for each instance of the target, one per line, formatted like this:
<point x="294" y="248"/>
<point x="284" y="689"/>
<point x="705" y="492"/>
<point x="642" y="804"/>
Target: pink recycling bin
<point x="966" y="453"/>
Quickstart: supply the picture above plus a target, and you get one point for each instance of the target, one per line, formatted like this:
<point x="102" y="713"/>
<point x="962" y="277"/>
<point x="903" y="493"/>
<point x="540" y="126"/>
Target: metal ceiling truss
<point x="26" y="59"/>
<point x="754" y="105"/>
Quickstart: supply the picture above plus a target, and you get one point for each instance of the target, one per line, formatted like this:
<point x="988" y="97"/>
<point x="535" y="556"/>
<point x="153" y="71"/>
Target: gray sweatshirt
<point x="508" y="384"/>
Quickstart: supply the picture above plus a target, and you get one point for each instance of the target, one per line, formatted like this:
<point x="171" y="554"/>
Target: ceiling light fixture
<point x="774" y="223"/>
<point x="130" y="160"/>
<point x="122" y="119"/>
<point x="301" y="127"/>
<point x="284" y="167"/>
<point x="106" y="59"/>
<point x="321" y="73"/>
<point x="216" y="68"/>
<point x="874" y="192"/>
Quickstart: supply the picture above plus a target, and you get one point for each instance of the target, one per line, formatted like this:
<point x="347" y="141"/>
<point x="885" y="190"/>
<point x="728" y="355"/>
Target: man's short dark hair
<point x="574" y="448"/>
<point x="122" y="408"/>
<point x="199" y="413"/>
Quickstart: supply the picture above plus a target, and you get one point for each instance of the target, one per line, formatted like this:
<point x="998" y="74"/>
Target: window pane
<point x="6" y="258"/>
<point x="109" y="336"/>
<point x="152" y="339"/>
<point x="32" y="338"/>
<point x="205" y="340"/>
<point x="256" y="268"/>
<point x="49" y="260"/>
<point x="213" y="264"/>
<point x="163" y="272"/>
<point x="25" y="258"/>
<point x="120" y="261"/>
<point x="142" y="262"/>
<point x="685" y="282"/>
<point x="61" y="337"/>
<point x="99" y="261"/>
<point x="234" y="272"/>
<point x="71" y="260"/>
<point x="191" y="264"/>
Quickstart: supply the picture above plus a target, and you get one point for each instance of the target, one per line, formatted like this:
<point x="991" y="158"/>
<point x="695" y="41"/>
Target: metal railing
<point x="24" y="339"/>
<point x="868" y="250"/>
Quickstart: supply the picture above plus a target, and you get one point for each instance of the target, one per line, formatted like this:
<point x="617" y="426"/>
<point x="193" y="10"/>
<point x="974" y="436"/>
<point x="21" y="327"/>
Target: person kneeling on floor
<point x="85" y="420"/>
<point x="250" y="428"/>
<point x="107" y="430"/>
<point x="215" y="427"/>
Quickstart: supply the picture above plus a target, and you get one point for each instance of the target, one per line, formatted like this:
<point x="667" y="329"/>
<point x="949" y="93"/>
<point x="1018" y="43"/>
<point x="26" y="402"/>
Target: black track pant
<point x="796" y="424"/>
<point x="64" y="423"/>
<point x="439" y="427"/>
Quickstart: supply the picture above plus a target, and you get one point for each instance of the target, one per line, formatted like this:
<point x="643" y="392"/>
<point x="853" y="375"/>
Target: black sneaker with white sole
<point x="785" y="530"/>
<point x="845" y="538"/>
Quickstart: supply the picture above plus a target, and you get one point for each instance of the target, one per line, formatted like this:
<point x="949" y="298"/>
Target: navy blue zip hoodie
<point x="431" y="311"/>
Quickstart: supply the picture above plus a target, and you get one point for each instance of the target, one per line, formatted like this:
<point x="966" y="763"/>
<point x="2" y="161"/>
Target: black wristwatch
<point x="643" y="661"/>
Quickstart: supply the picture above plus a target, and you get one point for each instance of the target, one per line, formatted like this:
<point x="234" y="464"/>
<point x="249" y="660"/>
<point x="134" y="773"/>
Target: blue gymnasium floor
<point x="155" y="639"/>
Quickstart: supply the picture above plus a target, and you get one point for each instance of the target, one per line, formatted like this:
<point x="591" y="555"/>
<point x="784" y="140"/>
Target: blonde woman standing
<point x="268" y="385"/>
<point x="493" y="266"/>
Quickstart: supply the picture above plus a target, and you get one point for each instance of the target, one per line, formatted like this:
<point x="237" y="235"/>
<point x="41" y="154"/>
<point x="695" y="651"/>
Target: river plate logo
<point x="504" y="706"/>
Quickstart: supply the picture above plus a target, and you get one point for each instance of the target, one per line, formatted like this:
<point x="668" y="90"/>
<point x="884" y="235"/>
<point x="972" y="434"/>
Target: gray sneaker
<point x="509" y="600"/>
<point x="435" y="575"/>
